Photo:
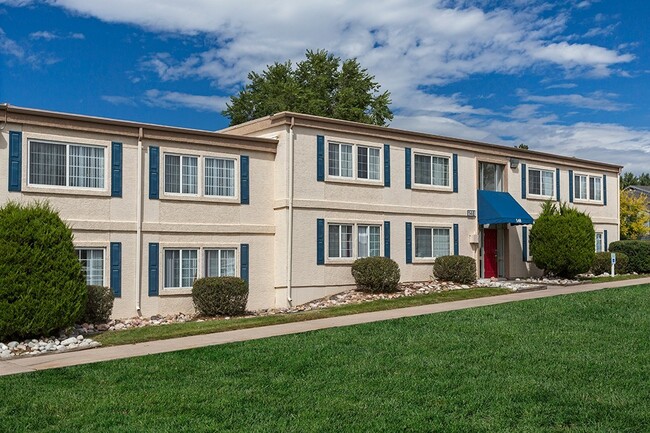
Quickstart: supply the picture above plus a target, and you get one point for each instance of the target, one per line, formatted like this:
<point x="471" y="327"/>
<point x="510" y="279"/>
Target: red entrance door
<point x="490" y="253"/>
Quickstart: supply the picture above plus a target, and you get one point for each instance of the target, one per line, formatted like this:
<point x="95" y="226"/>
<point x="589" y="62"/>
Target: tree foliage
<point x="321" y="85"/>
<point x="562" y="240"/>
<point x="629" y="179"/>
<point x="634" y="215"/>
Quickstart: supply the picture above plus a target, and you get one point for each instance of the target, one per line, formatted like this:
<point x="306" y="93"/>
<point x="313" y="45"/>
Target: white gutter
<point x="138" y="216"/>
<point x="290" y="222"/>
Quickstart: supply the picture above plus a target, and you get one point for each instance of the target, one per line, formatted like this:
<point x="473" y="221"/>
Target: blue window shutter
<point x="407" y="168"/>
<point x="571" y="186"/>
<point x="524" y="243"/>
<point x="455" y="171"/>
<point x="523" y="180"/>
<point x="154" y="172"/>
<point x="557" y="184"/>
<point x="386" y="165"/>
<point x="605" y="190"/>
<point x="320" y="158"/>
<point x="154" y="249"/>
<point x="244" y="177"/>
<point x="116" y="169"/>
<point x="15" y="160"/>
<point x="243" y="265"/>
<point x="409" y="243"/>
<point x="116" y="268"/>
<point x="456" y="246"/>
<point x="605" y="245"/>
<point x="320" y="241"/>
<point x="387" y="239"/>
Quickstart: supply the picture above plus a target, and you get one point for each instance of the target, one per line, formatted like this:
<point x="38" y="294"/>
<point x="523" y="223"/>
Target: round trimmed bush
<point x="562" y="241"/>
<point x="603" y="263"/>
<point x="42" y="287"/>
<point x="376" y="274"/>
<point x="99" y="305"/>
<point x="458" y="269"/>
<point x="638" y="252"/>
<point x="215" y="296"/>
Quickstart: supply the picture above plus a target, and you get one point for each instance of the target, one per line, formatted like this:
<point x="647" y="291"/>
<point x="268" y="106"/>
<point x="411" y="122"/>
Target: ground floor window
<point x="599" y="242"/>
<point x="369" y="241"/>
<point x="432" y="242"/>
<point x="92" y="263"/>
<point x="180" y="267"/>
<point x="340" y="240"/>
<point x="220" y="263"/>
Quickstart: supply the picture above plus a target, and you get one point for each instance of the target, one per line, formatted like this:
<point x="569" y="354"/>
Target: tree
<point x="321" y="85"/>
<point x="634" y="215"/>
<point x="629" y="179"/>
<point x="522" y="146"/>
<point x="562" y="240"/>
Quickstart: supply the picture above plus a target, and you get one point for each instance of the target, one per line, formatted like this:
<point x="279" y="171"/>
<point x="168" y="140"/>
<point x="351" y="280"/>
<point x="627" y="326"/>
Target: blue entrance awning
<point x="500" y="208"/>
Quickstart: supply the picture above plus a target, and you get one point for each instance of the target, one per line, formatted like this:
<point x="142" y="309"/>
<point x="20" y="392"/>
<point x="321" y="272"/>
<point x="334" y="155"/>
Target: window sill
<point x="175" y="292"/>
<point x="422" y="187"/>
<point x="588" y="202"/>
<point x="343" y="261"/>
<point x="540" y="197"/>
<point x="424" y="260"/>
<point x="199" y="198"/>
<point x="355" y="181"/>
<point x="61" y="190"/>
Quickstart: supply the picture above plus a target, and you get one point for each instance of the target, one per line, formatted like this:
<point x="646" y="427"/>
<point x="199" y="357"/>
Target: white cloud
<point x="119" y="100"/>
<point x="10" y="47"/>
<point x="49" y="36"/>
<point x="593" y="101"/>
<point x="166" y="99"/>
<point x="581" y="55"/>
<point x="562" y="86"/>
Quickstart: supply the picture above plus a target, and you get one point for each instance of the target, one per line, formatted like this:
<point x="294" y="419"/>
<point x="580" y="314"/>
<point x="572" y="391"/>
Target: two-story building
<point x="287" y="202"/>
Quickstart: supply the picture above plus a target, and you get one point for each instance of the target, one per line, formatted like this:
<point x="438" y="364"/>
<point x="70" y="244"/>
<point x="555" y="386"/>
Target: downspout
<point x="138" y="230"/>
<point x="290" y="222"/>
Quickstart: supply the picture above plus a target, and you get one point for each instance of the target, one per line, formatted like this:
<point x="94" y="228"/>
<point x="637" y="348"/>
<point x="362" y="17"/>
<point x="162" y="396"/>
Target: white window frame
<point x="354" y="240"/>
<point x="588" y="190"/>
<point x="340" y="250"/>
<point x="67" y="165"/>
<point x="430" y="227"/>
<point x="199" y="184"/>
<point x="541" y="171"/>
<point x="235" y="172"/>
<point x="431" y="185"/>
<point x="103" y="251"/>
<point x="602" y="242"/>
<point x="355" y="163"/>
<point x="204" y="253"/>
<point x="164" y="266"/>
<point x="358" y="239"/>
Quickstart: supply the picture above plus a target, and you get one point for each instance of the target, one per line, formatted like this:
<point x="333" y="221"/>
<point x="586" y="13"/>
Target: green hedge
<point x="42" y="287"/>
<point x="376" y="274"/>
<point x="638" y="253"/>
<point x="603" y="263"/>
<point x="458" y="269"/>
<point x="215" y="296"/>
<point x="99" y="305"/>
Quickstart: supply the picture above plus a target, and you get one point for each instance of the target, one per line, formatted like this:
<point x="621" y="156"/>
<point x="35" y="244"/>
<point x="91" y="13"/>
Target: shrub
<point x="638" y="253"/>
<point x="42" y="287"/>
<point x="562" y="240"/>
<point x="376" y="274"/>
<point x="99" y="305"/>
<point x="220" y="295"/>
<point x="603" y="263"/>
<point x="459" y="269"/>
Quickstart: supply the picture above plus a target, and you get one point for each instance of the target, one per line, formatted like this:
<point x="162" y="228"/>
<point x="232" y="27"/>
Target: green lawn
<point x="577" y="363"/>
<point x="616" y="278"/>
<point x="149" y="333"/>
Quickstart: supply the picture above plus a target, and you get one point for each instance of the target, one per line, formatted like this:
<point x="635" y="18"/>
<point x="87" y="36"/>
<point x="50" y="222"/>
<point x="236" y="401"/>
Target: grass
<point x="616" y="278"/>
<point x="149" y="333"/>
<point x="575" y="363"/>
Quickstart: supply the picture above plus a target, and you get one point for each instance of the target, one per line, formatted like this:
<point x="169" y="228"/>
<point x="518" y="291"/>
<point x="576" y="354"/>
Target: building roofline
<point x="406" y="135"/>
<point x="29" y="115"/>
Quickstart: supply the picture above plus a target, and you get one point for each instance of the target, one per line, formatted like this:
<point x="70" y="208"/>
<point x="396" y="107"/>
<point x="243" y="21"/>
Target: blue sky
<point x="568" y="77"/>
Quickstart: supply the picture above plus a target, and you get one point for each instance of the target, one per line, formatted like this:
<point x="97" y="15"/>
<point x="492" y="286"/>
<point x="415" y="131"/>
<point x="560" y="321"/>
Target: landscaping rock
<point x="69" y="341"/>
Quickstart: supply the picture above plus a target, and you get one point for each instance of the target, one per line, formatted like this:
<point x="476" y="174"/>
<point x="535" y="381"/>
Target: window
<point x="181" y="174"/>
<point x="431" y="170"/>
<point x="340" y="240"/>
<point x="368" y="163"/>
<point x="180" y="268"/>
<point x="599" y="242"/>
<point x="71" y="165"/>
<point x="340" y="160"/>
<point x="92" y="263"/>
<point x="220" y="177"/>
<point x="588" y="187"/>
<point x="432" y="242"/>
<point x="220" y="263"/>
<point x="491" y="177"/>
<point x="540" y="182"/>
<point x="369" y="244"/>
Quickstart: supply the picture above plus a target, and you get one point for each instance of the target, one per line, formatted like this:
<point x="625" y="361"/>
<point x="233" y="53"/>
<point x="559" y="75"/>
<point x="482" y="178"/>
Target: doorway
<point x="490" y="262"/>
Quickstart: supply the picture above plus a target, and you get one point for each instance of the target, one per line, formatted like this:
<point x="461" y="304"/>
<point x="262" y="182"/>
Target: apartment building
<point x="287" y="202"/>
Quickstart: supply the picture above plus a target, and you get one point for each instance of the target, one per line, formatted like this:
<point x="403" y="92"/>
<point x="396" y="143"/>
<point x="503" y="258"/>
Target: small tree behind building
<point x="562" y="240"/>
<point x="634" y="215"/>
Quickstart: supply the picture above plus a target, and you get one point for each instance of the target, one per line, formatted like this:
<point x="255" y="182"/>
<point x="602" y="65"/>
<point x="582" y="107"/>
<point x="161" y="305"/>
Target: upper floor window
<point x="368" y="163"/>
<point x="353" y="161"/>
<point x="588" y="187"/>
<point x="431" y="170"/>
<point x="540" y="182"/>
<point x="60" y="164"/>
<point x="181" y="174"/>
<point x="491" y="176"/>
<point x="340" y="160"/>
<point x="432" y="242"/>
<point x="220" y="177"/>
<point x="92" y="264"/>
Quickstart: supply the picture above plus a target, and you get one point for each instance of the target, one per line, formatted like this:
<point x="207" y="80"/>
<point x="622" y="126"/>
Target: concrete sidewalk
<point x="56" y="360"/>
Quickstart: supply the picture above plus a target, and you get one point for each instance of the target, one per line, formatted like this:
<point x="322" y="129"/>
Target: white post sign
<point x="613" y="263"/>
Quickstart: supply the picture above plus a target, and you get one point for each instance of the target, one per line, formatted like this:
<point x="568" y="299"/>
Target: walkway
<point x="56" y="360"/>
